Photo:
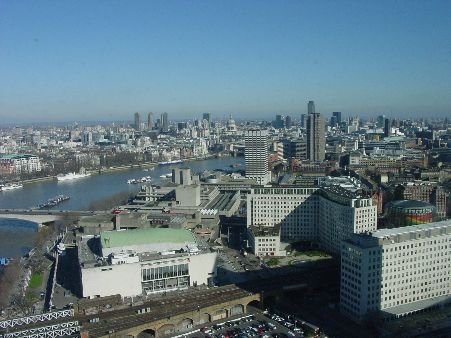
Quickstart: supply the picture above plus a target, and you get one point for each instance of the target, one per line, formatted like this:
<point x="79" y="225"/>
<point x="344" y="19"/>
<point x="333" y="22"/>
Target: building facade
<point x="16" y="164"/>
<point x="396" y="271"/>
<point x="256" y="156"/>
<point x="137" y="122"/>
<point x="143" y="261"/>
<point x="327" y="214"/>
<point x="316" y="140"/>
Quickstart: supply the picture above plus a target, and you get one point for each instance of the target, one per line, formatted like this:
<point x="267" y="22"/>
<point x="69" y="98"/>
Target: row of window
<point x="164" y="272"/>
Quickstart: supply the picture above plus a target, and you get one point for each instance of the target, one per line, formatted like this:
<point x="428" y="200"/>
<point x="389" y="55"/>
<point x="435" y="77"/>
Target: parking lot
<point x="254" y="325"/>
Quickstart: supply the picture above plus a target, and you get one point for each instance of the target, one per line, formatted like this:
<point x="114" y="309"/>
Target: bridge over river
<point x="43" y="216"/>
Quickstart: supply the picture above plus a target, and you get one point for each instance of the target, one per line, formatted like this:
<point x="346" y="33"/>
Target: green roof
<point x="113" y="239"/>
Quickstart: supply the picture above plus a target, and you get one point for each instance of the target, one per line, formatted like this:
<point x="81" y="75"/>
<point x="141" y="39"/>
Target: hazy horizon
<point x="105" y="60"/>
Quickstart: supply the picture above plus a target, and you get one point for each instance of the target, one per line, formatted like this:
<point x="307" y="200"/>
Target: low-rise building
<point x="133" y="262"/>
<point x="265" y="241"/>
<point x="16" y="164"/>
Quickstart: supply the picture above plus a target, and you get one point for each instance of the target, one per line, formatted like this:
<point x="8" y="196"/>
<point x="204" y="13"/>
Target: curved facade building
<point x="409" y="212"/>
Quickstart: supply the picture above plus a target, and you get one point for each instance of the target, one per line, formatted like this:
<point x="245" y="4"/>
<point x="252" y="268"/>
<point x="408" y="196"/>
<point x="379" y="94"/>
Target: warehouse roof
<point x="113" y="239"/>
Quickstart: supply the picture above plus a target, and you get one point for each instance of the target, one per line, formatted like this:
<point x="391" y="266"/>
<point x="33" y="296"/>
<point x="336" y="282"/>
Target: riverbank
<point x="145" y="165"/>
<point x="83" y="192"/>
<point x="148" y="165"/>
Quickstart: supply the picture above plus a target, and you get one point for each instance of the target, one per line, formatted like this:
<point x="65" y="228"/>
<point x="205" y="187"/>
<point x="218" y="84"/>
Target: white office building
<point x="341" y="213"/>
<point x="133" y="262"/>
<point x="265" y="241"/>
<point x="396" y="272"/>
<point x="256" y="156"/>
<point x="326" y="214"/>
<point x="293" y="208"/>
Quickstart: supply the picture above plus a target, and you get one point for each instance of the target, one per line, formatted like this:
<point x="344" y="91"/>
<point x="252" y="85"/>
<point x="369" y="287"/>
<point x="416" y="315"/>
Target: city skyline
<point x="252" y="59"/>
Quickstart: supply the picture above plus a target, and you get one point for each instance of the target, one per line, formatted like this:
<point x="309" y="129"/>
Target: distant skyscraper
<point x="207" y="116"/>
<point x="164" y="122"/>
<point x="333" y="121"/>
<point x="279" y="122"/>
<point x="137" y="125"/>
<point x="337" y="115"/>
<point x="150" y="121"/>
<point x="387" y="127"/>
<point x="380" y="121"/>
<point x="303" y="120"/>
<point x="256" y="156"/>
<point x="316" y="141"/>
<point x="288" y="122"/>
<point x="311" y="107"/>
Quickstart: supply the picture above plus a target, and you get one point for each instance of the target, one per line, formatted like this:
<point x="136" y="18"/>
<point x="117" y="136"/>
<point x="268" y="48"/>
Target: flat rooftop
<point x="260" y="231"/>
<point x="123" y="238"/>
<point x="382" y="233"/>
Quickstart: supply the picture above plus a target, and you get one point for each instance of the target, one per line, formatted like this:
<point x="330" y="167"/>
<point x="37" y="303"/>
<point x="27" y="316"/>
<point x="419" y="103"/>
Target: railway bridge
<point x="184" y="321"/>
<point x="172" y="315"/>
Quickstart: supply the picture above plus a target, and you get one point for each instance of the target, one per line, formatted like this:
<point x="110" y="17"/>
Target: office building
<point x="303" y="120"/>
<point x="207" y="117"/>
<point x="288" y="121"/>
<point x="164" y="123"/>
<point x="326" y="214"/>
<point x="311" y="107"/>
<point x="256" y="156"/>
<point x="316" y="140"/>
<point x="396" y="272"/>
<point x="293" y="208"/>
<point x="294" y="149"/>
<point x="137" y="124"/>
<point x="265" y="241"/>
<point x="427" y="191"/>
<point x="337" y="115"/>
<point x="279" y="122"/>
<point x="143" y="261"/>
<point x="387" y="127"/>
<point x="150" y="121"/>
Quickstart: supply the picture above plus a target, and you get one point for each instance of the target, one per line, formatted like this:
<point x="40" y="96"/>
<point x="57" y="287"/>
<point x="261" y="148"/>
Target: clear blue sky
<point x="105" y="60"/>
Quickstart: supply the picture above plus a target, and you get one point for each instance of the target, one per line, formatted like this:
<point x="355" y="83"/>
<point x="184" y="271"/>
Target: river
<point x="83" y="192"/>
<point x="17" y="236"/>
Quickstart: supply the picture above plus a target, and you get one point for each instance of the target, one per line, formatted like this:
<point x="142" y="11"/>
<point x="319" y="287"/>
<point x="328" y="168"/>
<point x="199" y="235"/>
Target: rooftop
<point x="409" y="204"/>
<point x="410" y="229"/>
<point x="114" y="239"/>
<point x="14" y="156"/>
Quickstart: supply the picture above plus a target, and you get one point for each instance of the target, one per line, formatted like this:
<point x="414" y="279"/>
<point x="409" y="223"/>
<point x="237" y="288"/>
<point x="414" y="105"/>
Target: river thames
<point x="83" y="192"/>
<point x="17" y="236"/>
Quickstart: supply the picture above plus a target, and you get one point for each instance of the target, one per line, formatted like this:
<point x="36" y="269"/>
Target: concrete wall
<point x="202" y="267"/>
<point x="188" y="195"/>
<point x="123" y="279"/>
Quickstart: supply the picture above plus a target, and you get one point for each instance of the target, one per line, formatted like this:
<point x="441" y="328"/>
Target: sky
<point x="106" y="60"/>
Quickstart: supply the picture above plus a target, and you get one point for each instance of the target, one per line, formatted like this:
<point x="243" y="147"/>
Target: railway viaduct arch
<point x="184" y="321"/>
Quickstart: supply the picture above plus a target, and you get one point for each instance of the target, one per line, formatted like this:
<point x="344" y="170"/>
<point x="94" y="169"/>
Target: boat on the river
<point x="143" y="179"/>
<point x="11" y="186"/>
<point x="170" y="162"/>
<point x="71" y="176"/>
<point x="166" y="175"/>
<point x="52" y="202"/>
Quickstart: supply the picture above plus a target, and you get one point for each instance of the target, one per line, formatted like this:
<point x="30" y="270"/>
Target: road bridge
<point x="39" y="219"/>
<point x="44" y="214"/>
